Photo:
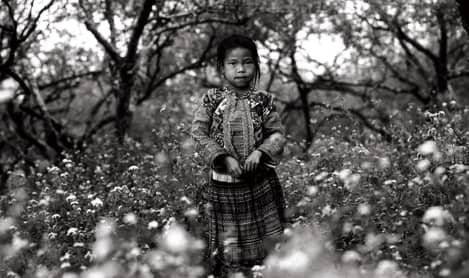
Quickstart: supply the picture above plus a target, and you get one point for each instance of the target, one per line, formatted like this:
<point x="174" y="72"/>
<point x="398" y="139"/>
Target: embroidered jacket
<point x="208" y="126"/>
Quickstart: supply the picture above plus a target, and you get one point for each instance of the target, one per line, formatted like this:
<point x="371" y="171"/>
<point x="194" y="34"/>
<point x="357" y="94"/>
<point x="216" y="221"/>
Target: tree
<point x="138" y="48"/>
<point x="388" y="52"/>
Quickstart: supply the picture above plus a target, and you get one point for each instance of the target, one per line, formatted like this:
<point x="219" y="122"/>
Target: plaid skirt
<point x="242" y="219"/>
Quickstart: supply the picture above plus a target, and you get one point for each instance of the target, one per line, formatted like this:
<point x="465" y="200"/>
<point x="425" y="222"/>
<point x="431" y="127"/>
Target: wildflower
<point x="433" y="237"/>
<point x="389" y="182"/>
<point x="176" y="239"/>
<point x="351" y="257"/>
<point x="133" y="168"/>
<point x="440" y="171"/>
<point x="366" y="165"/>
<point x="5" y="224"/>
<point x="18" y="243"/>
<point x="445" y="272"/>
<point x="105" y="228"/>
<point x="423" y="165"/>
<point x="296" y="261"/>
<point x="312" y="190"/>
<point x="153" y="225"/>
<point x="191" y="213"/>
<point x="72" y="231"/>
<point x="387" y="268"/>
<point x="78" y="244"/>
<point x="364" y="209"/>
<point x="344" y="174"/>
<point x="321" y="176"/>
<point x="53" y="169"/>
<point x="185" y="200"/>
<point x="459" y="168"/>
<point x="102" y="248"/>
<point x="52" y="235"/>
<point x="429" y="147"/>
<point x="352" y="181"/>
<point x="130" y="218"/>
<point x="97" y="202"/>
<point x="134" y="252"/>
<point x="71" y="198"/>
<point x="65" y="257"/>
<point x="437" y="216"/>
<point x="65" y="265"/>
<point x="327" y="210"/>
<point x="162" y="158"/>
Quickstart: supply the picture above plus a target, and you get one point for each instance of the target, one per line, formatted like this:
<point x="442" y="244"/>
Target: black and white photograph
<point x="234" y="139"/>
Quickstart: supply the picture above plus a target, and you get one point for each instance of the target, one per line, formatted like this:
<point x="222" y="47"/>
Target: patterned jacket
<point x="207" y="126"/>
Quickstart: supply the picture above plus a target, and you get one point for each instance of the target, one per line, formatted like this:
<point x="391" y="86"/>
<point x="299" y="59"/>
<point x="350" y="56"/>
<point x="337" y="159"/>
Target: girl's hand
<point x="232" y="166"/>
<point x="253" y="161"/>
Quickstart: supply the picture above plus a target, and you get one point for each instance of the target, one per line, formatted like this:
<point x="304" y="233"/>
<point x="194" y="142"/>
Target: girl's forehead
<point x="238" y="52"/>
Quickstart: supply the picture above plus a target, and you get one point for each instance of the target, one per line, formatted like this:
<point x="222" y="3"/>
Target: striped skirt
<point x="243" y="219"/>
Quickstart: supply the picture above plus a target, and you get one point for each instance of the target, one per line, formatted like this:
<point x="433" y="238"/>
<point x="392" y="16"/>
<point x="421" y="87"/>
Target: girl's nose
<point x="240" y="68"/>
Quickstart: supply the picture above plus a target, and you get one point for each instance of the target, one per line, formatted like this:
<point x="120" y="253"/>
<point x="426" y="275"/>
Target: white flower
<point x="384" y="162"/>
<point x="105" y="228"/>
<point x="429" y="147"/>
<point x="5" y="224"/>
<point x="389" y="182"/>
<point x="423" y="165"/>
<point x="176" y="239"/>
<point x="153" y="225"/>
<point x="133" y="168"/>
<point x="321" y="176"/>
<point x="433" y="237"/>
<point x="102" y="248"/>
<point x="18" y="243"/>
<point x="295" y="261"/>
<point x="344" y="174"/>
<point x="71" y="198"/>
<point x="352" y="181"/>
<point x="387" y="268"/>
<point x="65" y="265"/>
<point x="351" y="256"/>
<point x="53" y="169"/>
<point x="185" y="200"/>
<point x="459" y="168"/>
<point x="312" y="190"/>
<point x="130" y="218"/>
<point x="364" y="209"/>
<point x="191" y="213"/>
<point x="327" y="210"/>
<point x="72" y="231"/>
<point x="437" y="216"/>
<point x="97" y="202"/>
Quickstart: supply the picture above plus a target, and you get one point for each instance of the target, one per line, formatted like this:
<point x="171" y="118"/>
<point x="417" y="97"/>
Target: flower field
<point x="357" y="208"/>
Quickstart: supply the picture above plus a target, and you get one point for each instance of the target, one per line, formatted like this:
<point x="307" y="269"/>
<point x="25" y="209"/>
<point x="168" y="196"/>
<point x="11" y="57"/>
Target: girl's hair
<point x="235" y="41"/>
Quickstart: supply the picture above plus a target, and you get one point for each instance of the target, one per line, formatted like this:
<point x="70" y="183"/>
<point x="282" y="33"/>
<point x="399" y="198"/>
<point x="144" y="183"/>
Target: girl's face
<point x="239" y="68"/>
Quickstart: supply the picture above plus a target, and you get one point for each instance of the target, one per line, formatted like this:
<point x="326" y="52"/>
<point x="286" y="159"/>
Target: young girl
<point x="239" y="134"/>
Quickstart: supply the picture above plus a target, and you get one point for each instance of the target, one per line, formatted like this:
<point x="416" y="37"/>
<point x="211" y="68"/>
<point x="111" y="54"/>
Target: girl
<point x="239" y="134"/>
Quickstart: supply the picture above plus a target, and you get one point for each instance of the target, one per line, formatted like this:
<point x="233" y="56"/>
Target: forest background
<point x="98" y="172"/>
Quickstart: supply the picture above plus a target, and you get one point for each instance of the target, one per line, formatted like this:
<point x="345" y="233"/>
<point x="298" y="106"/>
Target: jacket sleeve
<point x="273" y="133"/>
<point x="207" y="147"/>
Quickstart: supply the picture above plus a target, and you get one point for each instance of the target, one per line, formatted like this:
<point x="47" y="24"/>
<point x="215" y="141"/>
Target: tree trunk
<point x="307" y="118"/>
<point x="124" y="93"/>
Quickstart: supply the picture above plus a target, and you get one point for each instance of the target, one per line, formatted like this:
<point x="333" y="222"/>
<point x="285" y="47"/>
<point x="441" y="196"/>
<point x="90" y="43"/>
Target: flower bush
<point x="365" y="208"/>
